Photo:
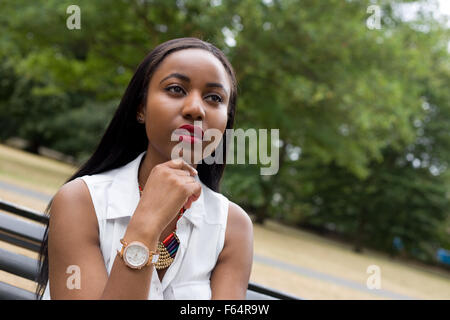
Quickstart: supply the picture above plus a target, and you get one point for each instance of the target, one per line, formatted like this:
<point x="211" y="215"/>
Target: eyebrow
<point x="186" y="78"/>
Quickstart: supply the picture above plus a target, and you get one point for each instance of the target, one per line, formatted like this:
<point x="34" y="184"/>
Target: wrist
<point x="146" y="233"/>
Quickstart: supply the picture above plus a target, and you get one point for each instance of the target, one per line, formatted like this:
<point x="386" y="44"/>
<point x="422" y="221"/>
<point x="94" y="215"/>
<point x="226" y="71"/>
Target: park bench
<point x="23" y="227"/>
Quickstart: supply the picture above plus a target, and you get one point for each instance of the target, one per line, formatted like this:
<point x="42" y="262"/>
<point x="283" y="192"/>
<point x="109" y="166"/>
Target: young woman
<point x="136" y="223"/>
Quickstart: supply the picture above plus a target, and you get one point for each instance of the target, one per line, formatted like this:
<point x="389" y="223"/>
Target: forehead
<point x="198" y="64"/>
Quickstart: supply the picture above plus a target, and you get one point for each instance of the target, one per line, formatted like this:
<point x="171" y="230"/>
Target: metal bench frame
<point x="24" y="227"/>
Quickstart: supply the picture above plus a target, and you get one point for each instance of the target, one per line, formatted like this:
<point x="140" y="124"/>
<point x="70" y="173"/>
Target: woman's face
<point x="189" y="85"/>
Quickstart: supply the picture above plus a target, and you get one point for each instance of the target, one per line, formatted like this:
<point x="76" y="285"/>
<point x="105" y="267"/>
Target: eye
<point x="175" y="89"/>
<point x="216" y="97"/>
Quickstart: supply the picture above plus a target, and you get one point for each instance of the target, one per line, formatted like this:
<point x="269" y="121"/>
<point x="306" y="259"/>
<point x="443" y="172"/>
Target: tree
<point x="357" y="108"/>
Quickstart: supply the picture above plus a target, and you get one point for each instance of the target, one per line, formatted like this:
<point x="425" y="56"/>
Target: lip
<point x="189" y="139"/>
<point x="195" y="130"/>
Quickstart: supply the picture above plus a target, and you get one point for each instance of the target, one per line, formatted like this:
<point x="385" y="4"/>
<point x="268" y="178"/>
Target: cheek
<point x="158" y="107"/>
<point x="159" y="113"/>
<point x="156" y="125"/>
<point x="220" y="120"/>
<point x="219" y="123"/>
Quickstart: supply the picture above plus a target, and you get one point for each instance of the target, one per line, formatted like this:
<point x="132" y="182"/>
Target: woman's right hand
<point x="170" y="186"/>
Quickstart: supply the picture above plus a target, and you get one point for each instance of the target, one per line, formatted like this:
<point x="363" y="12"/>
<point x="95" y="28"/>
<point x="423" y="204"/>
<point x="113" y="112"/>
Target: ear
<point x="140" y="114"/>
<point x="141" y="109"/>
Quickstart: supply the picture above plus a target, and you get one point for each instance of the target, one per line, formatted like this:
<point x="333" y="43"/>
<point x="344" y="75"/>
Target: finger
<point x="194" y="188"/>
<point x="188" y="205"/>
<point x="180" y="172"/>
<point x="195" y="197"/>
<point x="191" y="199"/>
<point x="188" y="179"/>
<point x="179" y="163"/>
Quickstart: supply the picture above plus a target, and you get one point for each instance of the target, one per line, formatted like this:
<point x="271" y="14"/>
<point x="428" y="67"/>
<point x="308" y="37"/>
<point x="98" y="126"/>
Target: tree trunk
<point x="359" y="236"/>
<point x="261" y="215"/>
<point x="33" y="146"/>
<point x="267" y="189"/>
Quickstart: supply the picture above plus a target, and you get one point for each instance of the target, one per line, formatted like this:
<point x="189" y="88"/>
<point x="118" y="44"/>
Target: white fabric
<point x="201" y="231"/>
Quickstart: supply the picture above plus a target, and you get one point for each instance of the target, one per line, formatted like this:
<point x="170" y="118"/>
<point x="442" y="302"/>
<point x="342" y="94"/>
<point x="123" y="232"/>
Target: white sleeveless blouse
<point x="201" y="231"/>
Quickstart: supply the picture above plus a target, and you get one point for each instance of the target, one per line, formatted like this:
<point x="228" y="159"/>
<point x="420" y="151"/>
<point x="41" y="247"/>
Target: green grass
<point x="275" y="241"/>
<point x="36" y="172"/>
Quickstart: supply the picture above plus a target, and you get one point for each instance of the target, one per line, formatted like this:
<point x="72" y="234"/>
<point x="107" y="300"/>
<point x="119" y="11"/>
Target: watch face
<point x="136" y="255"/>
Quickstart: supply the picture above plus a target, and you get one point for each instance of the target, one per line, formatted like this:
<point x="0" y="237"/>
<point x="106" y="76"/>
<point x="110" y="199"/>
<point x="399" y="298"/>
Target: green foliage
<point x="363" y="114"/>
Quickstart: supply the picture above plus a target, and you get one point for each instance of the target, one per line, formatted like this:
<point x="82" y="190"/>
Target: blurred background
<point x="358" y="89"/>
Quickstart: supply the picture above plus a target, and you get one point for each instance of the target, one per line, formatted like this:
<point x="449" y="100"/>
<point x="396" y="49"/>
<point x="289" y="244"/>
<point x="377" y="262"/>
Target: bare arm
<point x="73" y="241"/>
<point x="74" y="235"/>
<point x="229" y="279"/>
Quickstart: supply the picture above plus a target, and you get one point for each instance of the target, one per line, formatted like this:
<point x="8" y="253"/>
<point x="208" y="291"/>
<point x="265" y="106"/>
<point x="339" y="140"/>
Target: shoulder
<point x="237" y="218"/>
<point x="239" y="230"/>
<point x="72" y="208"/>
<point x="73" y="190"/>
<point x="85" y="192"/>
<point x="74" y="193"/>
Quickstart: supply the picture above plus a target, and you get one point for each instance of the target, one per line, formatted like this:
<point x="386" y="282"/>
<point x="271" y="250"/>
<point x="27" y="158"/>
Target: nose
<point x="193" y="107"/>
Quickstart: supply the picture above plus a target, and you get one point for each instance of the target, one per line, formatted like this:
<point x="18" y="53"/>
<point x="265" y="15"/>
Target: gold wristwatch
<point x="136" y="255"/>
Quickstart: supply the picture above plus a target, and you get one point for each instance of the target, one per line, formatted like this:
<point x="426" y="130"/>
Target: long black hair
<point x="125" y="138"/>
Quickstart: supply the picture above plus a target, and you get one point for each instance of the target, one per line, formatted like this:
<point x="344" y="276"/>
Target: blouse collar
<point x="124" y="193"/>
